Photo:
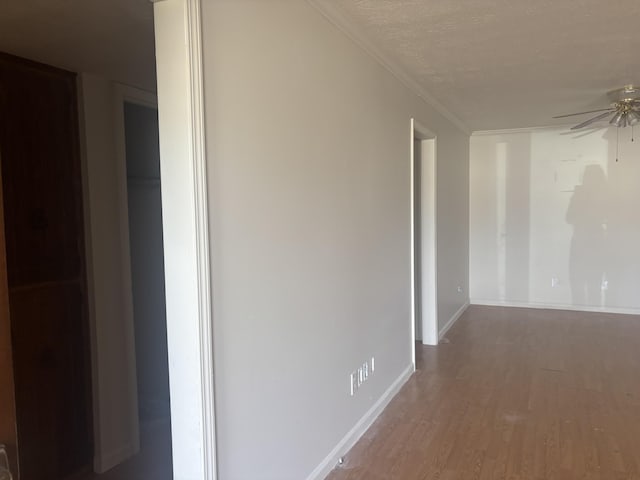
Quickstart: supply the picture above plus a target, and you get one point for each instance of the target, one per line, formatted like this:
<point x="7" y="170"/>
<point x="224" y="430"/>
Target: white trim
<point x="508" y="131"/>
<point x="104" y="462"/>
<point x="412" y="242"/>
<point x="557" y="306"/>
<point x="429" y="322"/>
<point x="194" y="25"/>
<point x="357" y="35"/>
<point x="90" y="274"/>
<point x="349" y="440"/>
<point x="186" y="234"/>
<point x="454" y="318"/>
<point x="127" y="93"/>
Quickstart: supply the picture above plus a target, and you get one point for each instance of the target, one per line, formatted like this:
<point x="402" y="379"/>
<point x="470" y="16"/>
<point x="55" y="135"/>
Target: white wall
<point x="554" y="219"/>
<point x="114" y="400"/>
<point x="309" y="182"/>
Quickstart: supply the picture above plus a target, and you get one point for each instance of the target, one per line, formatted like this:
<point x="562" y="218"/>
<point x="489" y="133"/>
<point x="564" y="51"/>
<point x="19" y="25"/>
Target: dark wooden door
<point x="8" y="433"/>
<point x="42" y="196"/>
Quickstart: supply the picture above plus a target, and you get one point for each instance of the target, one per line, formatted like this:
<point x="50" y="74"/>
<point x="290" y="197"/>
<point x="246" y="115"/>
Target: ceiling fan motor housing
<point x="627" y="94"/>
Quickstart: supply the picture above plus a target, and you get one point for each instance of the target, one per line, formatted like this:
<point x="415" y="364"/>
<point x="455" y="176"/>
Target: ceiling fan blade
<point x="583" y="113"/>
<point x="591" y="120"/>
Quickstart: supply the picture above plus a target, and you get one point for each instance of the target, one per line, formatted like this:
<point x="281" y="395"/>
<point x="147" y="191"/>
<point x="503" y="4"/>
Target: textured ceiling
<point x="113" y="38"/>
<point x="492" y="63"/>
<point x="506" y="63"/>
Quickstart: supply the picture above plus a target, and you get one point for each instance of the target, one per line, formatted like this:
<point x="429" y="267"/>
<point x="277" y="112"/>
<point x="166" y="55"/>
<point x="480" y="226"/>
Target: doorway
<point x="424" y="239"/>
<point x="176" y="24"/>
<point x="147" y="260"/>
<point x="141" y="221"/>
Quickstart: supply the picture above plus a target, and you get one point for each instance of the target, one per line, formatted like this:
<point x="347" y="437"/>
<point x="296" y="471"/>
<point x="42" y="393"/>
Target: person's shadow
<point x="587" y="213"/>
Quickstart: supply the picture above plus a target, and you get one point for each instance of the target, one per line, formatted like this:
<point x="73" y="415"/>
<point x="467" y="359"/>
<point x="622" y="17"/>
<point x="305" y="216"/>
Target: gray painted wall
<point x="309" y="176"/>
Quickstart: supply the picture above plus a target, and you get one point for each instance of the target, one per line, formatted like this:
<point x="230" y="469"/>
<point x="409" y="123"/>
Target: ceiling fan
<point x="625" y="108"/>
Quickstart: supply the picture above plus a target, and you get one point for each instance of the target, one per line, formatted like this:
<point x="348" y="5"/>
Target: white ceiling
<point x="499" y="64"/>
<point x="492" y="63"/>
<point x="113" y="38"/>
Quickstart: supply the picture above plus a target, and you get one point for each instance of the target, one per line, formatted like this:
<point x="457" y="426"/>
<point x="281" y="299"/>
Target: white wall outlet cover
<point x="354" y="383"/>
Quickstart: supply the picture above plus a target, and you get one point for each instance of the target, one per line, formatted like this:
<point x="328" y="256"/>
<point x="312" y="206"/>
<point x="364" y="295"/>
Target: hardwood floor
<point x="516" y="394"/>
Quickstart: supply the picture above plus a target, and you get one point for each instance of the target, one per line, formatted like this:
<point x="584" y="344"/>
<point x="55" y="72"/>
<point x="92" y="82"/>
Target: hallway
<point x="517" y="394"/>
<point x="153" y="462"/>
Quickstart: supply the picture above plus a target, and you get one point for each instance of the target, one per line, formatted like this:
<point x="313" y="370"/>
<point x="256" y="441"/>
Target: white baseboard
<point x="103" y="462"/>
<point x="454" y="318"/>
<point x="556" y="306"/>
<point x="350" y="439"/>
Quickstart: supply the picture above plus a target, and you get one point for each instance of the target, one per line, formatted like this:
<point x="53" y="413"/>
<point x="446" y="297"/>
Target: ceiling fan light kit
<point x="625" y="108"/>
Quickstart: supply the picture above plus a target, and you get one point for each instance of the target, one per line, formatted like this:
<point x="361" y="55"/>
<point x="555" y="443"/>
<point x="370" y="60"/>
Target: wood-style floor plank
<point x="515" y="394"/>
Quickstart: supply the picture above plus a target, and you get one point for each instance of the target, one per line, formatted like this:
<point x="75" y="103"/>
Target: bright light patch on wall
<point x="501" y="216"/>
<point x="554" y="215"/>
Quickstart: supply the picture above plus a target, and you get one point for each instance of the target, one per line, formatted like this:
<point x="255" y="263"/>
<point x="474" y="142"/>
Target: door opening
<point x="138" y="162"/>
<point x="147" y="261"/>
<point x="92" y="426"/>
<point x="424" y="244"/>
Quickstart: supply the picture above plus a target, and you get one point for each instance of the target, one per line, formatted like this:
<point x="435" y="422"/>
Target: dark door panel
<point x="42" y="198"/>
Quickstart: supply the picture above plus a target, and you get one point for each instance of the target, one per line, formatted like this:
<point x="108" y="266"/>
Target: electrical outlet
<point x="460" y="290"/>
<point x="555" y="281"/>
<point x="354" y="383"/>
<point x="360" y="375"/>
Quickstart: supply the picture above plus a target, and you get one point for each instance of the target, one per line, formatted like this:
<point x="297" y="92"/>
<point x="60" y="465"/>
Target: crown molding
<point x="507" y="131"/>
<point x="357" y="35"/>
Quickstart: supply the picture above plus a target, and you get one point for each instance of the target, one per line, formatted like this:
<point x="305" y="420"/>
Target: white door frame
<point x="428" y="248"/>
<point x="186" y="237"/>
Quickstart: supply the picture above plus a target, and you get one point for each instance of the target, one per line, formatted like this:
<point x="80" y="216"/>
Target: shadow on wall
<point x="553" y="219"/>
<point x="604" y="257"/>
<point x="623" y="225"/>
<point x="588" y="214"/>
